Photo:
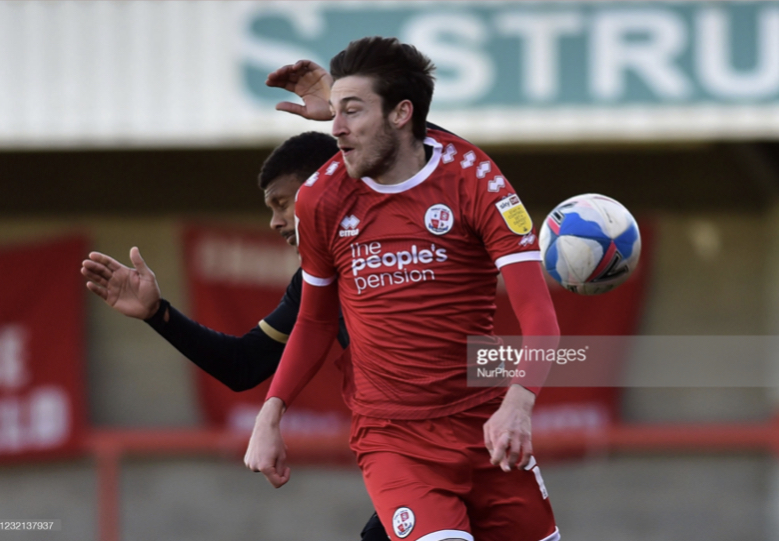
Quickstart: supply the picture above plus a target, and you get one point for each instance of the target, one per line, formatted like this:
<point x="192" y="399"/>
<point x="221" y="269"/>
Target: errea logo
<point x="349" y="226"/>
<point x="527" y="240"/>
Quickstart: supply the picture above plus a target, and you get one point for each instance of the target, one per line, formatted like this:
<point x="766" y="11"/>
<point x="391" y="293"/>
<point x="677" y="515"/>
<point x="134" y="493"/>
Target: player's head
<point x="287" y="167"/>
<point x="381" y="93"/>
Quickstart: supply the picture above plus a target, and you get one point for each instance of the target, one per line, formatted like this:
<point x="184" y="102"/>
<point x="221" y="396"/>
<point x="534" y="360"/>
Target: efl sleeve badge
<point x="515" y="214"/>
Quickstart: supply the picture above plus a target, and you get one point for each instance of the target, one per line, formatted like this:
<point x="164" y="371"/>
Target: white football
<point x="590" y="244"/>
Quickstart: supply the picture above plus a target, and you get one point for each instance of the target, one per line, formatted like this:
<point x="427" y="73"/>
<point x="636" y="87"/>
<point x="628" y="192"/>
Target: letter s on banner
<point x="474" y="70"/>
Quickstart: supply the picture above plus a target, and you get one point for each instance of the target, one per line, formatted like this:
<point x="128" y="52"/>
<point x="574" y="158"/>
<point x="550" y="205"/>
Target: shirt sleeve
<point x="533" y="307"/>
<point x="314" y="333"/>
<point x="241" y="363"/>
<point x="311" y="231"/>
<point x="279" y="323"/>
<point x="497" y="214"/>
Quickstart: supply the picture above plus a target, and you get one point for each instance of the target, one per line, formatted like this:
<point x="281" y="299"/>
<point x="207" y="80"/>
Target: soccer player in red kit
<point x="409" y="227"/>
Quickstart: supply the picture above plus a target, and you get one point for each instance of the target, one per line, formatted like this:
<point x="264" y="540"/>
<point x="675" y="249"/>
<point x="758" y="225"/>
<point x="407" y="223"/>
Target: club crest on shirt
<point x="403" y="521"/>
<point x="439" y="219"/>
<point x="515" y="214"/>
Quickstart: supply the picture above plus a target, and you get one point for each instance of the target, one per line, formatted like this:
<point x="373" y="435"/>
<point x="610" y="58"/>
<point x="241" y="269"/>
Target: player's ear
<point x="402" y="114"/>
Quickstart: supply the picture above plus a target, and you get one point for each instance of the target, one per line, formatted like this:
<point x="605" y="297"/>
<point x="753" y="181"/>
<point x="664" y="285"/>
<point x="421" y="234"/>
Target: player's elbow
<point x="249" y="378"/>
<point x="239" y="386"/>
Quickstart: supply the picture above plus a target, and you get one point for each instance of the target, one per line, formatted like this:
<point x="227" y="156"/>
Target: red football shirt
<point x="416" y="265"/>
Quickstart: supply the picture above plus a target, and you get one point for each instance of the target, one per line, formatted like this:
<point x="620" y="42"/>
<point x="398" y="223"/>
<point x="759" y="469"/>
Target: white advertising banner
<point x="182" y="73"/>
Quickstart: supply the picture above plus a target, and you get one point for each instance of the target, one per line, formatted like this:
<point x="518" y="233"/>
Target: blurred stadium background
<point x="145" y="123"/>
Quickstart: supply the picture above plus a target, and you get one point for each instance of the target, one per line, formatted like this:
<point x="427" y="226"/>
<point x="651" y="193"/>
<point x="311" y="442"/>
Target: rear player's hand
<point x="507" y="432"/>
<point x="311" y="82"/>
<point x="266" y="452"/>
<point x="133" y="292"/>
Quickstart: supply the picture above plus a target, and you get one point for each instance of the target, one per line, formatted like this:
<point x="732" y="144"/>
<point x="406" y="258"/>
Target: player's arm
<point x="310" y="341"/>
<point x="239" y="362"/>
<point x="311" y="83"/>
<point x="497" y="215"/>
<point x="314" y="333"/>
<point x="507" y="434"/>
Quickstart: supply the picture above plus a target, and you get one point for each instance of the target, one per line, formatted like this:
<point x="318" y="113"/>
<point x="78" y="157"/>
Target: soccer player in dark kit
<point x="239" y="362"/>
<point x="406" y="229"/>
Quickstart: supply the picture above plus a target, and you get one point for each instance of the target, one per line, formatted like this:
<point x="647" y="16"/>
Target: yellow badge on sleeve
<point x="515" y="214"/>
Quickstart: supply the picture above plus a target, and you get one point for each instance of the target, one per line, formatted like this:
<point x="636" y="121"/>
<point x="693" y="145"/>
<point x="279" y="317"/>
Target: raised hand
<point x="133" y="292"/>
<point x="308" y="80"/>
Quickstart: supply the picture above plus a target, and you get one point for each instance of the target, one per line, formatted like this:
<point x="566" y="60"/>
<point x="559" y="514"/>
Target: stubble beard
<point x="381" y="158"/>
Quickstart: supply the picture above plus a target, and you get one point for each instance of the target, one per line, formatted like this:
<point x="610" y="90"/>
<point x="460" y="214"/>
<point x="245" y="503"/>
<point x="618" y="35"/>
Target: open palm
<point x="308" y="80"/>
<point x="133" y="292"/>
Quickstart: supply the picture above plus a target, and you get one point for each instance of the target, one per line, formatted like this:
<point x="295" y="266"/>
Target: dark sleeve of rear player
<point x="373" y="530"/>
<point x="242" y="362"/>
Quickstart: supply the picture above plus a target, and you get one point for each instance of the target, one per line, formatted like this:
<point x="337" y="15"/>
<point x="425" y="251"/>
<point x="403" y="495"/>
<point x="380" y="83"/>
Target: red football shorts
<point x="432" y="480"/>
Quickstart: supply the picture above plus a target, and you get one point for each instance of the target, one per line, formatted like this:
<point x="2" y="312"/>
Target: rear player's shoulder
<point x="320" y="191"/>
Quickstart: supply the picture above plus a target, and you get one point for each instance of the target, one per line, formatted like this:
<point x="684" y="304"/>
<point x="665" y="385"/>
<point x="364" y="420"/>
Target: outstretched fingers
<point x="109" y="262"/>
<point x="98" y="290"/>
<point x="97" y="272"/>
<point x="284" y="77"/>
<point x="289" y="107"/>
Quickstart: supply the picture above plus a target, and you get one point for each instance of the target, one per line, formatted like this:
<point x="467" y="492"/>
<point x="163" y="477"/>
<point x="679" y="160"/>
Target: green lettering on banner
<point x="540" y="55"/>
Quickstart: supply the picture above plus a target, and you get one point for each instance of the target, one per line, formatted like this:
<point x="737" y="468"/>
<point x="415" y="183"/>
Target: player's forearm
<point x="271" y="412"/>
<point x="530" y="299"/>
<point x="315" y="330"/>
<point x="520" y="398"/>
<point x="241" y="363"/>
<point x="535" y="312"/>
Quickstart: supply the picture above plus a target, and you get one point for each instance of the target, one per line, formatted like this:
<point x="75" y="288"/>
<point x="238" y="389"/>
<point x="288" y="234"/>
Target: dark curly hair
<point x="300" y="156"/>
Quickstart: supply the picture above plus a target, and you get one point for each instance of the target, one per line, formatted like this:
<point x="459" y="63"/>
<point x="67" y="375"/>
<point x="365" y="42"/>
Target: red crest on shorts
<point x="403" y="521"/>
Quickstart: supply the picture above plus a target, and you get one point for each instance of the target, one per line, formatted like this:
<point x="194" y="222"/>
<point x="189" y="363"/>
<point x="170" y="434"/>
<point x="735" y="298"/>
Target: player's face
<point x="280" y="198"/>
<point x="368" y="142"/>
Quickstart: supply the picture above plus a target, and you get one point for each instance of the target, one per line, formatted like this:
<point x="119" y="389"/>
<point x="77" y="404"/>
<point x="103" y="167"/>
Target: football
<point x="590" y="244"/>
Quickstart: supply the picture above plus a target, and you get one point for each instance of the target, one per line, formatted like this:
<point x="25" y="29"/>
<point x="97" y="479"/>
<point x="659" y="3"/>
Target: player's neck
<point x="409" y="161"/>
